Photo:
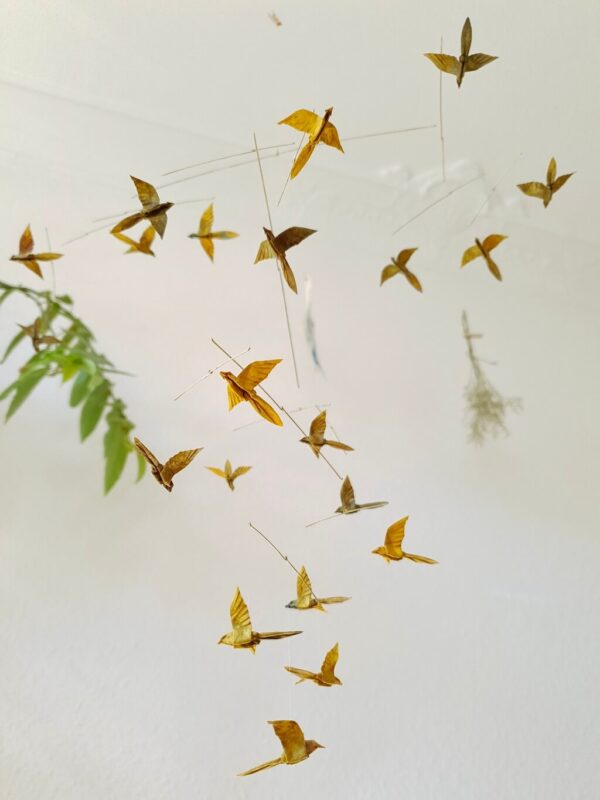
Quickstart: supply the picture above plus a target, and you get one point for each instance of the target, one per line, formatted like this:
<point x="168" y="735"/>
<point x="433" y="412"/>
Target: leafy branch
<point x="72" y="356"/>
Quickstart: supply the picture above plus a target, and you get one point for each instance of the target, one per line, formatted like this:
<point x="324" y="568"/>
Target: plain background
<point x="474" y="678"/>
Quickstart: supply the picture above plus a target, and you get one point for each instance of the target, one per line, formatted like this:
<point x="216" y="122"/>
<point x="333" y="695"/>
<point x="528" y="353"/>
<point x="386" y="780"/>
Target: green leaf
<point x="92" y="409"/>
<point x="23" y="388"/>
<point x="80" y="388"/>
<point x="69" y="368"/>
<point x="116" y="450"/>
<point x="141" y="463"/>
<point x="17" y="339"/>
<point x="6" y="293"/>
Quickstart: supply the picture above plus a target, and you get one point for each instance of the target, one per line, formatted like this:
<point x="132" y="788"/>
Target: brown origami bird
<point x="164" y="473"/>
<point x="144" y="245"/>
<point x="30" y="259"/>
<point x="392" y="546"/>
<point x="34" y="332"/>
<point x="318" y="129"/>
<point x="326" y="677"/>
<point x="152" y="210"/>
<point x="349" y="504"/>
<point x="242" y="388"/>
<point x="242" y="635"/>
<point x="545" y="191"/>
<point x="276" y="247"/>
<point x="229" y="475"/>
<point x="398" y="266"/>
<point x="465" y="63"/>
<point x="316" y="437"/>
<point x="483" y="249"/>
<point x="305" y="597"/>
<point x="295" y="747"/>
<point x="206" y="235"/>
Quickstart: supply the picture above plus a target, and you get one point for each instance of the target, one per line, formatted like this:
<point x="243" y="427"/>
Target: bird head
<point x="291" y="604"/>
<point x="339" y="510"/>
<point x="380" y="551"/>
<point x="329" y="111"/>
<point x="311" y="746"/>
<point x="305" y="439"/>
<point x="228" y="376"/>
<point x="226" y="639"/>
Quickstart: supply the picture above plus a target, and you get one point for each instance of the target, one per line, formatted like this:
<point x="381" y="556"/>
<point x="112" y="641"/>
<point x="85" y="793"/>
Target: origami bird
<point x="392" y="546"/>
<point x="483" y="249"/>
<point x="545" y="191"/>
<point x="318" y="129"/>
<point x="276" y="247"/>
<point x="164" y="473"/>
<point x="152" y="210"/>
<point x="465" y="63"/>
<point x="30" y="259"/>
<point x="144" y="245"/>
<point x="227" y="473"/>
<point x="295" y="747"/>
<point x="316" y="437"/>
<point x="206" y="235"/>
<point x="34" y="332"/>
<point x="305" y="597"/>
<point x="242" y="635"/>
<point x="349" y="504"/>
<point x="242" y="388"/>
<point x="398" y="266"/>
<point x="326" y="676"/>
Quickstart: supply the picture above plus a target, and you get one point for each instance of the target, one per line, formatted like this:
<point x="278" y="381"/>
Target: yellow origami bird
<point x="316" y="436"/>
<point x="242" y="387"/>
<point x="392" y="547"/>
<point x="242" y="635"/>
<point x="28" y="258"/>
<point x="398" y="266"/>
<point x="206" y="235"/>
<point x="545" y="191"/>
<point x="483" y="249"/>
<point x="326" y="677"/>
<point x="295" y="747"/>
<point x="34" y="331"/>
<point x="164" y="473"/>
<point x="318" y="129"/>
<point x="276" y="247"/>
<point x="349" y="504"/>
<point x="229" y="475"/>
<point x="305" y="597"/>
<point x="144" y="245"/>
<point x="465" y="63"/>
<point x="152" y="210"/>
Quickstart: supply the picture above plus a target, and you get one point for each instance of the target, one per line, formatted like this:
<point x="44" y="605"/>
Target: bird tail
<point x="289" y="276"/>
<point x="378" y="504"/>
<point x="265" y="410"/>
<point x="338" y="445"/>
<point x="302" y="158"/>
<point x="267" y="765"/>
<point x="420" y="559"/>
<point x="278" y="634"/>
<point x="303" y="674"/>
<point x="328" y="600"/>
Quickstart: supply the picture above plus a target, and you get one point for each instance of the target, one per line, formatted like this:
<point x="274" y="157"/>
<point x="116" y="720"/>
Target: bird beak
<point x="289" y="605"/>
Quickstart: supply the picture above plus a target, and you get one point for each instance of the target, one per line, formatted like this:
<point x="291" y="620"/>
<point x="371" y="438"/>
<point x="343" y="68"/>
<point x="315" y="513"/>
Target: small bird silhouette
<point x="206" y="235"/>
<point x="242" y="388"/>
<point x="229" y="475"/>
<point x="28" y="258"/>
<point x="316" y="436"/>
<point x="326" y="677"/>
<point x="144" y="245"/>
<point x="242" y="635"/>
<point x="276" y="247"/>
<point x="295" y="747"/>
<point x="318" y="129"/>
<point x="465" y="63"/>
<point x="164" y="473"/>
<point x="34" y="331"/>
<point x="398" y="266"/>
<point x="545" y="191"/>
<point x="152" y="210"/>
<point x="349" y="504"/>
<point x="305" y="597"/>
<point x="483" y="249"/>
<point x="392" y="546"/>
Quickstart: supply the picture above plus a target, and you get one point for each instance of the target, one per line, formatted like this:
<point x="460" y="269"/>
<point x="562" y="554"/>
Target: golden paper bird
<point x="349" y="504"/>
<point x="545" y="191"/>
<point x="305" y="597"/>
<point x="152" y="210"/>
<point x="295" y="747"/>
<point x="242" y="388"/>
<point x="229" y="475"/>
<point x="483" y="249"/>
<point x="392" y="546"/>
<point x="34" y="332"/>
<point x="326" y="677"/>
<point x="164" y="473"/>
<point x="316" y="437"/>
<point x="465" y="63"/>
<point x="30" y="259"/>
<point x="206" y="235"/>
<point x="398" y="266"/>
<point x="144" y="245"/>
<point x="276" y="247"/>
<point x="242" y="635"/>
<point x="318" y="129"/>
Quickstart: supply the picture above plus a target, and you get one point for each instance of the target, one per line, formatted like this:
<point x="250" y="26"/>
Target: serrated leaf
<point x="80" y="388"/>
<point x="23" y="388"/>
<point x="92" y="409"/>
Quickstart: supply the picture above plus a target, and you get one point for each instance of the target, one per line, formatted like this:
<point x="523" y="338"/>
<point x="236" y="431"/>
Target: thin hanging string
<point x="135" y="210"/>
<point x="208" y="374"/>
<point x="225" y="158"/>
<point x="439" y="200"/>
<point x="292" y="411"/>
<point x="493" y="189"/>
<point x="279" y="270"/>
<point x="280" y="407"/>
<point x="441" y="123"/>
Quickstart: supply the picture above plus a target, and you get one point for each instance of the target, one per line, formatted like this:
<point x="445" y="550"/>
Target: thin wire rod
<point x="134" y="210"/>
<point x="439" y="200"/>
<point x="209" y="373"/>
<point x="225" y="158"/>
<point x="292" y="411"/>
